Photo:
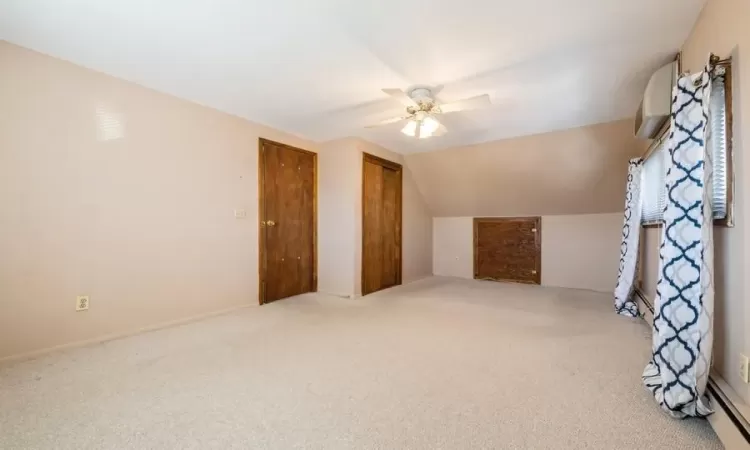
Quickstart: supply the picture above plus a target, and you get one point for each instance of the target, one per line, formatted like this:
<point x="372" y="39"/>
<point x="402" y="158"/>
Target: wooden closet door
<point x="391" y="229"/>
<point x="372" y="227"/>
<point x="287" y="227"/>
<point x="381" y="224"/>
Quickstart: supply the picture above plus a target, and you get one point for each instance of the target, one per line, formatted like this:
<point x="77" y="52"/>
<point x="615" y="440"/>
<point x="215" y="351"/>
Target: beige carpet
<point x="441" y="363"/>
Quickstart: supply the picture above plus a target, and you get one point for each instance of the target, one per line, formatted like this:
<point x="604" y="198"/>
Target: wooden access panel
<point x="508" y="249"/>
<point x="381" y="224"/>
<point x="288" y="224"/>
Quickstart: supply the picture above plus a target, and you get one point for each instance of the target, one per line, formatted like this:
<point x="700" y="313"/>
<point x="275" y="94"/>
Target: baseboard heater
<point x="716" y="393"/>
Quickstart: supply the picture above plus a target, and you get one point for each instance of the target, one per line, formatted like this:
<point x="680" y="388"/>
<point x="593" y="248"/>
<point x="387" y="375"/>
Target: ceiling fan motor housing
<point x="422" y="109"/>
<point x="422" y="95"/>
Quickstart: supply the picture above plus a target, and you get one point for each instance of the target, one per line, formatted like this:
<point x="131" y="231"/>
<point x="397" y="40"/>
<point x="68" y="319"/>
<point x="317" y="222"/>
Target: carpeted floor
<point x="441" y="363"/>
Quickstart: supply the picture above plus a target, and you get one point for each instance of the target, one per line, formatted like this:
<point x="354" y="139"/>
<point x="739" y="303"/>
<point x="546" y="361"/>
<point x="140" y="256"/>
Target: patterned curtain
<point x="624" y="303"/>
<point x="683" y="317"/>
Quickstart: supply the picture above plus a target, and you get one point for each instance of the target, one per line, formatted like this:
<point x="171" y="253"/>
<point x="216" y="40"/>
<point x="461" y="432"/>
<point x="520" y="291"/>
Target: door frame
<point x="366" y="157"/>
<point x="537" y="244"/>
<point x="262" y="267"/>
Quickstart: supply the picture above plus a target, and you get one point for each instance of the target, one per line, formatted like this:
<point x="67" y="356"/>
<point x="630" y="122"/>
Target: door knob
<point x="270" y="223"/>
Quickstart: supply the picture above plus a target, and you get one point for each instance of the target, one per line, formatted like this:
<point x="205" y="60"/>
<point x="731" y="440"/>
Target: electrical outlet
<point x="82" y="303"/>
<point x="744" y="368"/>
<point x="240" y="214"/>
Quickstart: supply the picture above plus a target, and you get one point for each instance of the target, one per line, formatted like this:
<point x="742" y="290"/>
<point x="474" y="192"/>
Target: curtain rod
<point x="717" y="61"/>
<point x="714" y="62"/>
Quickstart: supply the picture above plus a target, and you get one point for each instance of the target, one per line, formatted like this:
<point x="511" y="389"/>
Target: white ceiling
<point x="315" y="67"/>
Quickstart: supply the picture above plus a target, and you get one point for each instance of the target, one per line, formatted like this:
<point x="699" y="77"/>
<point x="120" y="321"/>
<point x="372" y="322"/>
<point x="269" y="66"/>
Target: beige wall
<point x="135" y="207"/>
<point x="574" y="179"/>
<point x="578" y="251"/>
<point x="142" y="223"/>
<point x="337" y="225"/>
<point x="453" y="247"/>
<point x="722" y="29"/>
<point x="581" y="251"/>
<point x="417" y="232"/>
<point x="577" y="171"/>
<point x="341" y="269"/>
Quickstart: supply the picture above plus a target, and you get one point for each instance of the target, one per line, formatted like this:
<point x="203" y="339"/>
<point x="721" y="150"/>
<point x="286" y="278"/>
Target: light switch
<point x="240" y="214"/>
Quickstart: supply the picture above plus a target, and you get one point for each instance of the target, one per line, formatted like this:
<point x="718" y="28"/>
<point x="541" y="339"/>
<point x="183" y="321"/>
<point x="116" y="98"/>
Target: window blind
<point x="653" y="183"/>
<point x="718" y="117"/>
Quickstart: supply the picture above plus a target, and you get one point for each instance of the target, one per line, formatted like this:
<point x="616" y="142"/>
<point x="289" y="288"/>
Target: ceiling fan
<point x="421" y="109"/>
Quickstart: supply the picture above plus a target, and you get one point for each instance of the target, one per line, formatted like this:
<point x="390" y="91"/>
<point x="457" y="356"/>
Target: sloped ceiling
<point x="315" y="67"/>
<point x="576" y="171"/>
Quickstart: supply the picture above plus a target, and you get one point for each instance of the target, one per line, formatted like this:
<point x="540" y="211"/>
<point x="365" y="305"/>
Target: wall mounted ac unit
<point x="656" y="104"/>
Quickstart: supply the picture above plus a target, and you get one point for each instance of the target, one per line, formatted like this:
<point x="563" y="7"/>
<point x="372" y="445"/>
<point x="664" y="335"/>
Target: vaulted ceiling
<point x="315" y="67"/>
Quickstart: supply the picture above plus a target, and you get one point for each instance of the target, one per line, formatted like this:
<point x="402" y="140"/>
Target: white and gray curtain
<point x="624" y="302"/>
<point x="683" y="312"/>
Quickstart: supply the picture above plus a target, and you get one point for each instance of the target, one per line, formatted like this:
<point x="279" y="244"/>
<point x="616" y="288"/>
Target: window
<point x="653" y="182"/>
<point x="720" y="143"/>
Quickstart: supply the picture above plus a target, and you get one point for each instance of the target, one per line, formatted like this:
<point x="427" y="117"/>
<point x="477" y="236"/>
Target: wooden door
<point x="508" y="249"/>
<point x="381" y="224"/>
<point x="287" y="179"/>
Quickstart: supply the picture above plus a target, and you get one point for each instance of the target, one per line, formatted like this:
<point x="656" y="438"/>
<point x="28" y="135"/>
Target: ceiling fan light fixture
<point x="428" y="127"/>
<point x="410" y="129"/>
<point x="422" y="107"/>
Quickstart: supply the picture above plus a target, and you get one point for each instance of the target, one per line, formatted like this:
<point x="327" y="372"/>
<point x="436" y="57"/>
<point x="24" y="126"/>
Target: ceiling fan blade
<point x="388" y="121"/>
<point x="401" y="96"/>
<point x="480" y="101"/>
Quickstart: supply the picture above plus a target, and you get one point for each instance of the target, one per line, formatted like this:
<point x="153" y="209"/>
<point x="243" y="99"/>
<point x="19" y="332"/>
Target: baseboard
<point x="727" y="420"/>
<point x="334" y="294"/>
<point x="418" y="278"/>
<point x="359" y="295"/>
<point x="110" y="337"/>
<point x="644" y="304"/>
